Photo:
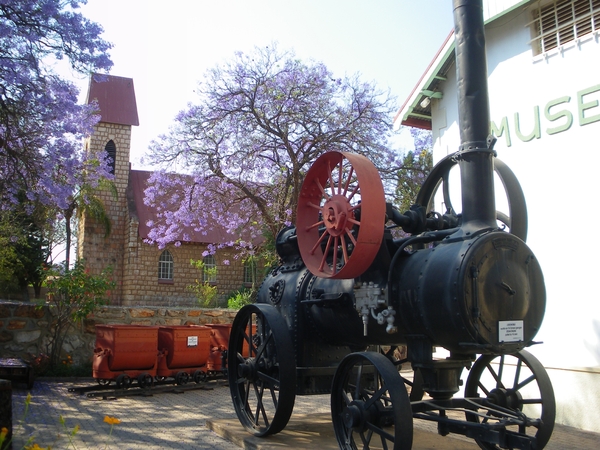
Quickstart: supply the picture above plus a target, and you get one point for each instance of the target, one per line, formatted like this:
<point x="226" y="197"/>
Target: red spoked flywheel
<point x="340" y="215"/>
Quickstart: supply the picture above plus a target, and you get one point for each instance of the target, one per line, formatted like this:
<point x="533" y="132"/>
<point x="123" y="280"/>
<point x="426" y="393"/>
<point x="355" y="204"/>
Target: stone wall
<point x="24" y="327"/>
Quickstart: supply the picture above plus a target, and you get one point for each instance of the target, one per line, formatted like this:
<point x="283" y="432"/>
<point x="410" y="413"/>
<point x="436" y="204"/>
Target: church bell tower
<point x="115" y="97"/>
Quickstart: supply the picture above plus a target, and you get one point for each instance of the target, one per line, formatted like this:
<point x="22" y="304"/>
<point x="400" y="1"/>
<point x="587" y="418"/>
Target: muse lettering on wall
<point x="558" y="117"/>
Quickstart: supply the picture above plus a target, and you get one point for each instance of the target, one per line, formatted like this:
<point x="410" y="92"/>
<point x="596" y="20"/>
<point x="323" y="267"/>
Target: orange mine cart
<point x="125" y="352"/>
<point x="183" y="352"/>
<point x="219" y="342"/>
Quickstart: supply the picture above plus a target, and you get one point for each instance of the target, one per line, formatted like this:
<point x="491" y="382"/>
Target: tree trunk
<point x="68" y="216"/>
<point x="25" y="293"/>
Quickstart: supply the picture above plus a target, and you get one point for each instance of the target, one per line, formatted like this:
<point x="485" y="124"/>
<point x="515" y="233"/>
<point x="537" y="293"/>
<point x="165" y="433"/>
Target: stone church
<point x="144" y="274"/>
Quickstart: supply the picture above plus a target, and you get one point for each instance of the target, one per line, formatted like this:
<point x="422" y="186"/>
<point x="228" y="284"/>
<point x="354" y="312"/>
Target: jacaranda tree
<point x="416" y="165"/>
<point x="246" y="143"/>
<point x="41" y="124"/>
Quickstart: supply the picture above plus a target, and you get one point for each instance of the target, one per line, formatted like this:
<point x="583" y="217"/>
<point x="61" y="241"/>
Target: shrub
<point x="240" y="298"/>
<point x="73" y="294"/>
<point x="205" y="291"/>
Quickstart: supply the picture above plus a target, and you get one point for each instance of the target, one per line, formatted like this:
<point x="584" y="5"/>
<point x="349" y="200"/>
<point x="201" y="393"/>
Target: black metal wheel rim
<point x="439" y="178"/>
<point x="516" y="384"/>
<point x="145" y="381"/>
<point x="370" y="407"/>
<point x="123" y="381"/>
<point x="261" y="369"/>
<point x="199" y="376"/>
<point x="182" y="378"/>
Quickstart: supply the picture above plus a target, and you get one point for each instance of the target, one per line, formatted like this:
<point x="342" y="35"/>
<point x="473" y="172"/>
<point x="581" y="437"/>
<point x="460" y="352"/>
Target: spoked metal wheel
<point x="370" y="408"/>
<point x="145" y="381"/>
<point x="123" y="381"/>
<point x="513" y="386"/>
<point x="182" y="378"/>
<point x="199" y="376"/>
<point x="261" y="369"/>
<point x="339" y="191"/>
<point x="439" y="178"/>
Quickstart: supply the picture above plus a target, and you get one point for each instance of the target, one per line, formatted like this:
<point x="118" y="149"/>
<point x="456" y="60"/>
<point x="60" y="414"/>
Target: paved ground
<point x="181" y="421"/>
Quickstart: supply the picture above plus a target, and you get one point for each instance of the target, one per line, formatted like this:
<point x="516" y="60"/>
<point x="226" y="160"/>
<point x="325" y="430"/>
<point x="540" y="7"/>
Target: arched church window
<point x="165" y="266"/>
<point x="111" y="150"/>
<point x="250" y="271"/>
<point x="209" y="272"/>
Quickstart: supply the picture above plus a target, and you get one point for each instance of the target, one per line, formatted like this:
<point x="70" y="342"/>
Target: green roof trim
<point x="412" y="112"/>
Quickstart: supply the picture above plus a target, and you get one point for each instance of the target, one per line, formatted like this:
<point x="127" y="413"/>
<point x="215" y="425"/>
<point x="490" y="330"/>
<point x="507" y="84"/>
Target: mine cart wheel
<point x="199" y="376"/>
<point x="370" y="404"/>
<point x="517" y="383"/>
<point x="341" y="213"/>
<point x="145" y="381"/>
<point x="103" y="381"/>
<point x="261" y="369"/>
<point x="182" y="378"/>
<point x="123" y="381"/>
<point x="515" y="220"/>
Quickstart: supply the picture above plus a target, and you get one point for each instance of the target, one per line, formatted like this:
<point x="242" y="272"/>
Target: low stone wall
<point x="24" y="328"/>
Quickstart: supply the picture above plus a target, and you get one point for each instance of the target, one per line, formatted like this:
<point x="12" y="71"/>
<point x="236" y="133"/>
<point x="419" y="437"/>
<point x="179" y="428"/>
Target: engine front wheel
<point x="370" y="407"/>
<point x="512" y="386"/>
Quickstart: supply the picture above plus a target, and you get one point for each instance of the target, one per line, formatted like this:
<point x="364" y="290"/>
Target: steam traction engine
<point x="347" y="293"/>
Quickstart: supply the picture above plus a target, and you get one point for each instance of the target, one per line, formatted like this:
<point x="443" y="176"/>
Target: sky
<point x="166" y="47"/>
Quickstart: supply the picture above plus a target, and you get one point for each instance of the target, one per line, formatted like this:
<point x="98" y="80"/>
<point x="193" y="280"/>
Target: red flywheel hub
<point x="340" y="216"/>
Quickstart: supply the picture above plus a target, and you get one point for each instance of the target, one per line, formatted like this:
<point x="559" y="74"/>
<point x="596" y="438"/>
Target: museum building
<point x="544" y="91"/>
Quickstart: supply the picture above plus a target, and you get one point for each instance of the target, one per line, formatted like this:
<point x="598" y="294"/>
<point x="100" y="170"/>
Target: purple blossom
<point x="259" y="122"/>
<point x="42" y="125"/>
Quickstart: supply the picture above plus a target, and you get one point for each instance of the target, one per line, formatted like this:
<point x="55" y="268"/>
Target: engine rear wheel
<point x="261" y="369"/>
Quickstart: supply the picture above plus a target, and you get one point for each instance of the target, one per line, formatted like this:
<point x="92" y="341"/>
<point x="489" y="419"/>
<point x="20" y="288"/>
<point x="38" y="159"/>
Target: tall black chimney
<point x="475" y="156"/>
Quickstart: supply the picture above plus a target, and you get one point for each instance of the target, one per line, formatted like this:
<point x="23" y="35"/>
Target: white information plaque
<point x="192" y="341"/>
<point x="510" y="330"/>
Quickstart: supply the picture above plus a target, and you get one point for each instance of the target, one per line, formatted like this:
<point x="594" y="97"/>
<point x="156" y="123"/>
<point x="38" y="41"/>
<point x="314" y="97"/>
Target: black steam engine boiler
<point x="348" y="295"/>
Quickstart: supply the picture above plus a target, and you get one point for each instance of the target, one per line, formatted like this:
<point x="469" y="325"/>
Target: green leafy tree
<point x="26" y="234"/>
<point x="73" y="294"/>
<point x="416" y="165"/>
<point x="10" y="236"/>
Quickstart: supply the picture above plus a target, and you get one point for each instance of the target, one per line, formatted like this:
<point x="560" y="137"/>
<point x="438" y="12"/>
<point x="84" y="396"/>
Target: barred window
<point x="250" y="271"/>
<point x="209" y="272"/>
<point x="111" y="150"/>
<point x="165" y="266"/>
<point x="563" y="21"/>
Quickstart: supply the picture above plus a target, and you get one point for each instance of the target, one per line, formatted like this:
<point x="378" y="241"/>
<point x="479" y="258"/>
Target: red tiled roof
<point x="138" y="182"/>
<point x="115" y="97"/>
